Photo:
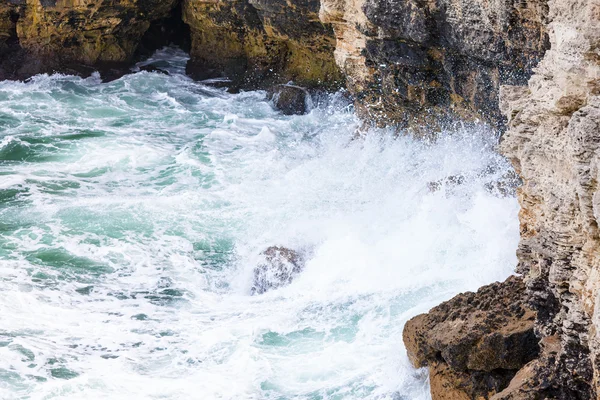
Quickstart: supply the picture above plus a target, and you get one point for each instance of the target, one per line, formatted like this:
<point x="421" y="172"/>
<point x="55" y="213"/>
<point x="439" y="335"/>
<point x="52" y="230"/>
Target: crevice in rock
<point x="167" y="31"/>
<point x="11" y="52"/>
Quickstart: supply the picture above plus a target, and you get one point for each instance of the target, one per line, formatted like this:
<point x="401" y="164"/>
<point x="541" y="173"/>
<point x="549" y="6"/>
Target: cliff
<point x="253" y="43"/>
<point x="75" y="36"/>
<point x="412" y="62"/>
<point x="260" y="43"/>
<point x="406" y="62"/>
<point x="553" y="141"/>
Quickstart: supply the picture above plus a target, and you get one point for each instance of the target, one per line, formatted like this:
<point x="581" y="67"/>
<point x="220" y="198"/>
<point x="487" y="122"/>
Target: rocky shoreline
<point x="530" y="68"/>
<point x="552" y="140"/>
<point x="406" y="63"/>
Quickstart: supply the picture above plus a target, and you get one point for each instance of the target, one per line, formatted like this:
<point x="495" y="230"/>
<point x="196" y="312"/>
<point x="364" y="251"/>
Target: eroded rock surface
<point x="278" y="267"/>
<point x="406" y="62"/>
<point x="73" y="35"/>
<point x="258" y="43"/>
<point x="411" y="61"/>
<point x="553" y="142"/>
<point x="475" y="343"/>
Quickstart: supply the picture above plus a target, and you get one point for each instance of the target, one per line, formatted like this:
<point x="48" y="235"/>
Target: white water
<point x="132" y="215"/>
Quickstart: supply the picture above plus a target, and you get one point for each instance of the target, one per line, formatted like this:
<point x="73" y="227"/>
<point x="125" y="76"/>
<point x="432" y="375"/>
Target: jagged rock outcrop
<point x="553" y="142"/>
<point x="405" y="61"/>
<point x="409" y="62"/>
<point x="253" y="43"/>
<point x="257" y="43"/>
<point x="475" y="343"/>
<point x="77" y="36"/>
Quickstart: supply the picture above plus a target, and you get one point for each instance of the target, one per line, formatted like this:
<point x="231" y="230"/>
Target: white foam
<point x="165" y="217"/>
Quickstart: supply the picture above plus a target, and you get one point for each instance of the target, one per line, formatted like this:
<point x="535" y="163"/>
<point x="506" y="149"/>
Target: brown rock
<point x="278" y="267"/>
<point x="554" y="143"/>
<point x="476" y="341"/>
<point x="74" y="36"/>
<point x="446" y="383"/>
<point x="449" y="384"/>
<point x="260" y="43"/>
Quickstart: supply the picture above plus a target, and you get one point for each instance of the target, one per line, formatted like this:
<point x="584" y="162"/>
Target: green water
<point x="132" y="215"/>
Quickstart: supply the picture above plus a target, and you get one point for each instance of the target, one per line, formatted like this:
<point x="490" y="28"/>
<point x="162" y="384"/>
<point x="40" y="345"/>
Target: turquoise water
<point x="132" y="214"/>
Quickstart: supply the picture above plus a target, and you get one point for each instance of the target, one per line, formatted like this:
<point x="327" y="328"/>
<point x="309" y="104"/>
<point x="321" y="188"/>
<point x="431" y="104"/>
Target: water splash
<point x="132" y="214"/>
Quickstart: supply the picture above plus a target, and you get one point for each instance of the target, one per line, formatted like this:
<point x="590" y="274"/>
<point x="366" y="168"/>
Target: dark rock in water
<point x="277" y="268"/>
<point x="475" y="343"/>
<point x="153" y="68"/>
<point x="290" y="99"/>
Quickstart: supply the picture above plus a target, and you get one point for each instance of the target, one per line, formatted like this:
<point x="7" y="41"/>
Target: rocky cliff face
<point x="73" y="35"/>
<point x="475" y="343"/>
<point x="257" y="43"/>
<point x="409" y="62"/>
<point x="553" y="141"/>
<point x="254" y="43"/>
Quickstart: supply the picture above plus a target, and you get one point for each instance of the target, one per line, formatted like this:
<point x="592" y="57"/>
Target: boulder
<point x="279" y="265"/>
<point x="476" y="342"/>
<point x="290" y="99"/>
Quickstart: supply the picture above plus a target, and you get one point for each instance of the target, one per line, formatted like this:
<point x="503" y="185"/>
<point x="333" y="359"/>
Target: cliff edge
<point x="553" y="141"/>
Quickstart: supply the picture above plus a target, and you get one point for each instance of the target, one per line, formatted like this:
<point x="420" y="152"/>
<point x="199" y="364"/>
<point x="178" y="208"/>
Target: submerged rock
<point x="290" y="99"/>
<point x="475" y="343"/>
<point x="277" y="268"/>
<point x="153" y="68"/>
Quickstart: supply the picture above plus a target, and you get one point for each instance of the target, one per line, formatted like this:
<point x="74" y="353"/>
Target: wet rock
<point x="506" y="185"/>
<point x="412" y="62"/>
<point x="74" y="37"/>
<point x="476" y="342"/>
<point x="153" y="68"/>
<point x="260" y="43"/>
<point x="278" y="267"/>
<point x="449" y="182"/>
<point x="553" y="141"/>
<point x="290" y="99"/>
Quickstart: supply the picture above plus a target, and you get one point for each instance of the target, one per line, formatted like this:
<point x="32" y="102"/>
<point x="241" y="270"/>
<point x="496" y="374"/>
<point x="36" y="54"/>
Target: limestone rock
<point x="258" y="43"/>
<point x="475" y="342"/>
<point x="74" y="36"/>
<point x="449" y="384"/>
<point x="554" y="143"/>
<point x="278" y="267"/>
<point x="410" y="62"/>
